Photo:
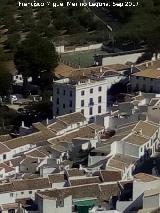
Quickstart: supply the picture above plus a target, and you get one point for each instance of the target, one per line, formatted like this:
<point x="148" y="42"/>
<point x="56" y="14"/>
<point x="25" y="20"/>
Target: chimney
<point x="101" y="69"/>
<point x="22" y="124"/>
<point x="146" y="64"/>
<point x="47" y="121"/>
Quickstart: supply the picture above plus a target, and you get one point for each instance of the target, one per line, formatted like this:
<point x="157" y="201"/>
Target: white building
<point x="86" y="96"/>
<point x="147" y="80"/>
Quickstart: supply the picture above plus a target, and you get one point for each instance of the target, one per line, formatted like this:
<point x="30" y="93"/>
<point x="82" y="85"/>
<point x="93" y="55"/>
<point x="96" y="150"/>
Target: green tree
<point x="35" y="56"/>
<point x="5" y="79"/>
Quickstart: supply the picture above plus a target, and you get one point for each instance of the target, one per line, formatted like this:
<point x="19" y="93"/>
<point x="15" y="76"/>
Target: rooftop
<point x="145" y="177"/>
<point x="148" y="73"/>
<point x="146" y="128"/>
<point x="136" y="139"/>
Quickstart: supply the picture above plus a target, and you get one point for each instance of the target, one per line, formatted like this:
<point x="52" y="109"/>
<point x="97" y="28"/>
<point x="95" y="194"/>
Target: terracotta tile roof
<point x="57" y="126"/>
<point x="148" y="73"/>
<point x="84" y="181"/>
<point x="136" y="139"/>
<point x="34" y="138"/>
<point x="145" y="177"/>
<point x="56" y="178"/>
<point x="118" y="67"/>
<point x="31" y="184"/>
<point x="151" y="192"/>
<point x="77" y="192"/>
<point x="146" y="128"/>
<point x="39" y="126"/>
<point x="121" y="161"/>
<point x="4" y="148"/>
<point x="4" y="138"/>
<point x="63" y="70"/>
<point x="35" y="154"/>
<point x="6" y="167"/>
<point x="72" y="118"/>
<point x="15" y="161"/>
<point x="75" y="172"/>
<point x="96" y="127"/>
<point x="6" y="187"/>
<point x="9" y="206"/>
<point x="30" y="160"/>
<point x="110" y="176"/>
<point x="108" y="190"/>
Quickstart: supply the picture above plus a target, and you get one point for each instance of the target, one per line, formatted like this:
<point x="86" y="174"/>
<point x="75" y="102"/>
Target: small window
<point x="82" y="92"/>
<point x="99" y="99"/>
<point x="22" y="193"/>
<point x="144" y="78"/>
<point x="64" y="106"/>
<point x="82" y="111"/>
<point x="91" y="101"/>
<point x="57" y="111"/>
<point x="30" y="192"/>
<point x="137" y="77"/>
<point x="57" y="90"/>
<point x="70" y="103"/>
<point x="11" y="194"/>
<point x="91" y="90"/>
<point x="4" y="156"/>
<point x="61" y="203"/>
<point x="99" y="89"/>
<point x="82" y="103"/>
<point x="64" y="92"/>
<point x="142" y="149"/>
<point x="90" y="110"/>
<point x="57" y="100"/>
<point x="70" y="93"/>
<point x="99" y="109"/>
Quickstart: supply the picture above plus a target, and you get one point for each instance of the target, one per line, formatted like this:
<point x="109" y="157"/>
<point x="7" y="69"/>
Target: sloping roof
<point x="3" y="148"/>
<point x="108" y="190"/>
<point x="147" y="128"/>
<point x="145" y="177"/>
<point x="110" y="176"/>
<point x="136" y="139"/>
<point x="75" y="172"/>
<point x="152" y="192"/>
<point x="120" y="161"/>
<point x="6" y="187"/>
<point x="29" y="139"/>
<point x="72" y="118"/>
<point x="56" y="178"/>
<point x="4" y="138"/>
<point x="57" y="126"/>
<point x="31" y="184"/>
<point x="84" y="181"/>
<point x="6" y="167"/>
<point x="148" y="73"/>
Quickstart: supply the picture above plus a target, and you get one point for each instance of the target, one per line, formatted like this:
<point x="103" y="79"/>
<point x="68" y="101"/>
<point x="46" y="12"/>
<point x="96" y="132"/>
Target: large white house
<point x="88" y="96"/>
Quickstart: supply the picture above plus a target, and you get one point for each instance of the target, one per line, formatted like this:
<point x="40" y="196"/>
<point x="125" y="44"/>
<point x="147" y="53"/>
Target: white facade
<point x="86" y="96"/>
<point x="53" y="205"/>
<point x="145" y="84"/>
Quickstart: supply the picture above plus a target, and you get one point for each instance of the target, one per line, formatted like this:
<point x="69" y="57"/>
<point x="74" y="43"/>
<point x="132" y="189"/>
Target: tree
<point x="5" y="80"/>
<point x="34" y="56"/>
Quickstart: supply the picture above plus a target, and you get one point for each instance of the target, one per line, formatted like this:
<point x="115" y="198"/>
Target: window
<point x="82" y="111"/>
<point x="99" y="109"/>
<point x="70" y="103"/>
<point x="4" y="156"/>
<point x="57" y="100"/>
<point x="70" y="111"/>
<point x="11" y="211"/>
<point x="64" y="106"/>
<point x="144" y="78"/>
<point x="82" y="103"/>
<point x="91" y="90"/>
<point x="22" y="193"/>
<point x="64" y="92"/>
<point x="59" y="203"/>
<point x="70" y="93"/>
<point x="137" y="87"/>
<point x="151" y="88"/>
<point x="11" y="194"/>
<point x="57" y="90"/>
<point x="30" y="192"/>
<point x="99" y="89"/>
<point x="57" y="111"/>
<point x="82" y="92"/>
<point x="142" y="149"/>
<point x="137" y="77"/>
<point x="90" y="110"/>
<point x="99" y="99"/>
<point x="91" y="101"/>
